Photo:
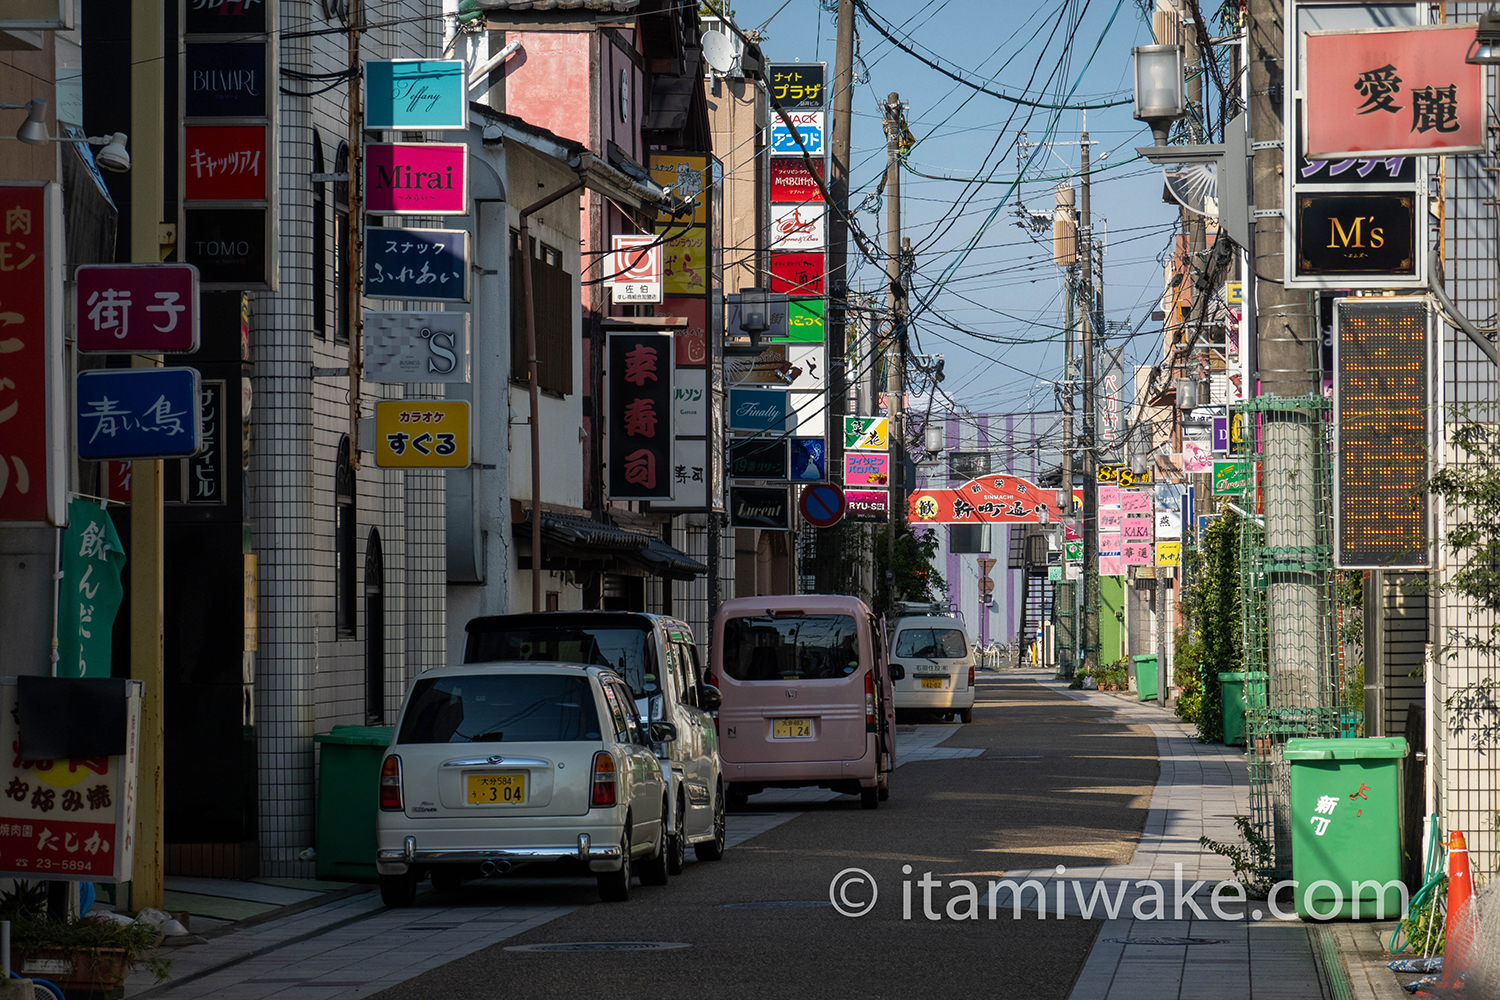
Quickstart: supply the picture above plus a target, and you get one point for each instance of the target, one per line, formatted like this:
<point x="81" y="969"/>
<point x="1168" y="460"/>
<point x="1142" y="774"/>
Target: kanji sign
<point x="417" y="264"/>
<point x="137" y="308"/>
<point x="998" y="499"/>
<point x="1392" y="90"/>
<point x="428" y="178"/>
<point x="139" y="413"/>
<point x="422" y="434"/>
<point x="798" y="85"/>
<point x="866" y="434"/>
<point x="684" y="259"/>
<point x="89" y="594"/>
<point x="633" y="269"/>
<point x="639" y="384"/>
<point x="796" y="273"/>
<point x="1169" y="553"/>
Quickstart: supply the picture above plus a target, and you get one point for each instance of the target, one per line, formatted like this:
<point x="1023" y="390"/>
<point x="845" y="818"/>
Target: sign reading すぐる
<point x="422" y="434"/>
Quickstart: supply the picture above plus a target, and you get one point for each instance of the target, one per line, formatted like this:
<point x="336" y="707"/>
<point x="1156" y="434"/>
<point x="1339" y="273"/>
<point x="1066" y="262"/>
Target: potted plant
<point x="89" y="954"/>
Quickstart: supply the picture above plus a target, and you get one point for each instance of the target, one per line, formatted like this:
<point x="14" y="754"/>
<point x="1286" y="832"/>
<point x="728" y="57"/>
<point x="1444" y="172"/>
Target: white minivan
<point x="938" y="662"/>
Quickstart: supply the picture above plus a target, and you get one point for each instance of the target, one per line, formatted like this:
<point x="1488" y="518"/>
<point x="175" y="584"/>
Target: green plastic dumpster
<point x="348" y="799"/>
<point x="1346" y="826"/>
<point x="1239" y="692"/>
<point x="1145" y="676"/>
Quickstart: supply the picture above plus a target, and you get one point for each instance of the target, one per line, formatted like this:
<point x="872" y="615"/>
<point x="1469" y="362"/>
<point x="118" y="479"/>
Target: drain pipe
<point x="533" y="389"/>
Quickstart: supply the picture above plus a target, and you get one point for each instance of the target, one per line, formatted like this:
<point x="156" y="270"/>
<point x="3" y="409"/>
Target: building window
<point x="342" y="324"/>
<point x="345" y="596"/>
<point x="319" y="244"/>
<point x="554" y="296"/>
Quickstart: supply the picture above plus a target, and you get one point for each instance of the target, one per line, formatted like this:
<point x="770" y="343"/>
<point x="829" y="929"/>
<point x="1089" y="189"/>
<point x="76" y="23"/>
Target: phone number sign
<point x="422" y="434"/>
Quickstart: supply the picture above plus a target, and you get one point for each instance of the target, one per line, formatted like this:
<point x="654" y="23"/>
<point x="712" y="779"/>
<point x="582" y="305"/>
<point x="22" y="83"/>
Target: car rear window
<point x="939" y="643"/>
<point x="626" y="651"/>
<point x="500" y="708"/>
<point x="784" y="648"/>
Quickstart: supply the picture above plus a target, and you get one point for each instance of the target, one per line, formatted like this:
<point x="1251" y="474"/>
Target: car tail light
<point x="710" y="679"/>
<point x="869" y="701"/>
<point x="971" y="675"/>
<point x="390" y="784"/>
<point x="604" y="780"/>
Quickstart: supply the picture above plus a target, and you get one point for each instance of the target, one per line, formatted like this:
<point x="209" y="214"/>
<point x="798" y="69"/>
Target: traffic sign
<point x="822" y="504"/>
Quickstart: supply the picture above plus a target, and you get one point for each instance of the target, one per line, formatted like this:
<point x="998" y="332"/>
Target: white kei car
<point x="500" y="765"/>
<point x="934" y="650"/>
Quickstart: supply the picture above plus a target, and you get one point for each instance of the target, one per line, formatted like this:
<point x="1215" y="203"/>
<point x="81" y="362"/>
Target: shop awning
<point x="571" y="541"/>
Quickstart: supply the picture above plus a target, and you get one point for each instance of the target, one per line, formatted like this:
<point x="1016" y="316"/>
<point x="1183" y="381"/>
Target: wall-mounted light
<point x="114" y="156"/>
<point x="1159" y="97"/>
<point x="33" y="130"/>
<point x="1485" y="49"/>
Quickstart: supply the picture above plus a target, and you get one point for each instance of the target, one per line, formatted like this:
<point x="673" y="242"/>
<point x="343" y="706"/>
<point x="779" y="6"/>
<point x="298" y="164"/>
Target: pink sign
<point x="1136" y="554"/>
<point x="1111" y="564"/>
<point x="137" y="308"/>
<point x="791" y="181"/>
<point x="1109" y="496"/>
<point x="1135" y="529"/>
<point x="1134" y="501"/>
<point x="867" y="505"/>
<point x="1110" y="519"/>
<point x="416" y="179"/>
<point x="1389" y="91"/>
<point x="866" y="468"/>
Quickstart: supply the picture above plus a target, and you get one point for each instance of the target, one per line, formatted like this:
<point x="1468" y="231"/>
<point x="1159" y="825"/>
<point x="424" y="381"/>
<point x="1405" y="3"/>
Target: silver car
<point x="497" y="765"/>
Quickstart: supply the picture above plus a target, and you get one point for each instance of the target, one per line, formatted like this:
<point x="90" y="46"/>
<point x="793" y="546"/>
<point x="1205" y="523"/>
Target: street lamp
<point x="1485" y="49"/>
<point x="33" y="131"/>
<point x="1159" y="98"/>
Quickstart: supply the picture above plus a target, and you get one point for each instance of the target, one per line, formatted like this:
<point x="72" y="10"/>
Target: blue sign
<point x="809" y="126"/>
<point x="760" y="410"/>
<point x="417" y="264"/>
<point x="128" y="413"/>
<point x="809" y="460"/>
<point x="415" y="94"/>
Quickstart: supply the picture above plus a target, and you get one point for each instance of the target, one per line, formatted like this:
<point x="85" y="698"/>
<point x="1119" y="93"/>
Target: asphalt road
<point x="1057" y="783"/>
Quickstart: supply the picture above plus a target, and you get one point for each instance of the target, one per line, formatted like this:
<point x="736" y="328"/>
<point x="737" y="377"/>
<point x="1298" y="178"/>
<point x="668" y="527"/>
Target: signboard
<point x="690" y="403"/>
<point x="999" y="499"/>
<point x="684" y="260"/>
<point x="808" y="371"/>
<point x="426" y="94"/>
<point x="809" y="410"/>
<point x="805" y="320"/>
<point x="633" y="269"/>
<point x="1122" y="475"/>
<point x="226" y="162"/>
<point x="1197" y="456"/>
<point x="866" y="468"/>
<point x="797" y="273"/>
<point x="1357" y="234"/>
<point x="1391" y="91"/>
<point x="867" y="505"/>
<point x="225" y="17"/>
<point x="225" y="80"/>
<point x="687" y="176"/>
<point x="775" y="318"/>
<point x="809" y="128"/>
<point x="417" y="264"/>
<point x="866" y="434"/>
<point x="638" y="389"/>
<point x="792" y="182"/>
<point x="771" y="367"/>
<point x="760" y="410"/>
<point x="68" y="818"/>
<point x="406" y="347"/>
<point x="137" y="308"/>
<point x="798" y="227"/>
<point x="1169" y="510"/>
<point x="809" y="459"/>
<point x="1231" y="478"/>
<point x="139" y="413"/>
<point x="228" y="246"/>
<point x="33" y="470"/>
<point x="1221" y="435"/>
<point x="758" y="458"/>
<point x="764" y="507"/>
<point x="1382" y="433"/>
<point x="797" y="85"/>
<point x="822" y="505"/>
<point x="89" y="591"/>
<point x="691" y="342"/>
<point x="422" y="434"/>
<point x="202" y="478"/>
<point x="1169" y="553"/>
<point x="429" y="178"/>
<point x="689" y="476"/>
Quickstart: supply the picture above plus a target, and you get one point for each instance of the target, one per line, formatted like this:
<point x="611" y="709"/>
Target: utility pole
<point x="1089" y="443"/>
<point x="837" y="277"/>
<point x="895" y="352"/>
<point x="1065" y="255"/>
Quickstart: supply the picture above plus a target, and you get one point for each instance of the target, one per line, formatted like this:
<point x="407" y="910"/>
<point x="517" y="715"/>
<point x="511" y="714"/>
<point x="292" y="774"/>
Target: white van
<point x="938" y="662"/>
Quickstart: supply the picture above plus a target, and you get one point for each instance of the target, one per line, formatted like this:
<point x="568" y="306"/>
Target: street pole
<point x="1090" y="530"/>
<point x="837" y="278"/>
<point x="895" y="352"/>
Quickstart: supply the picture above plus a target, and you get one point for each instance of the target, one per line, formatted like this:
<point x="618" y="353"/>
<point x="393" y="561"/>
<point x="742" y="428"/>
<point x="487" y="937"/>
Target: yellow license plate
<point x="496" y="789"/>
<point x="932" y="682"/>
<point x="791" y="729"/>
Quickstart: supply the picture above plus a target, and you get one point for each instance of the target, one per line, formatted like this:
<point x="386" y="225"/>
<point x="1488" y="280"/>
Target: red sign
<point x="137" y="308"/>
<point x="117" y="477"/>
<point x="638" y="373"/>
<point x="691" y="344"/>
<point x="995" y="499"/>
<point x="797" y="273"/>
<point x="1390" y="91"/>
<point x="30" y="353"/>
<point x="634" y="269"/>
<point x="791" y="182"/>
<point x="225" y="163"/>
<point x="416" y="179"/>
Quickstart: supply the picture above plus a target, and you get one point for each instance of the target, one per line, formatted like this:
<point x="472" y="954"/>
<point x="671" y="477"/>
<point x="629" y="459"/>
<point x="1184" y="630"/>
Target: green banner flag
<point x="90" y="592"/>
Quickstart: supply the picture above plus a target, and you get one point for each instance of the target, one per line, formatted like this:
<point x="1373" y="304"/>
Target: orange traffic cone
<point x="1458" y="928"/>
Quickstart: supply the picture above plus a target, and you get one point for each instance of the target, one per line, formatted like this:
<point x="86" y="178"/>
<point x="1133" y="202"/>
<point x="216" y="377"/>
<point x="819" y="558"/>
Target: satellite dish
<point x="1195" y="186"/>
<point x="718" y="51"/>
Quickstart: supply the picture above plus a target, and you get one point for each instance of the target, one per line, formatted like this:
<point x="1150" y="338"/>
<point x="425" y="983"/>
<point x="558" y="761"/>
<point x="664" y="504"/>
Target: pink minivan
<point x="807" y="697"/>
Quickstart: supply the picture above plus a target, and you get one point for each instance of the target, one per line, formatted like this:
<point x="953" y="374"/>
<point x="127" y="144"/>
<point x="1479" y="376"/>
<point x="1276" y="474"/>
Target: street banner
<point x="690" y="403"/>
<point x="1169" y="510"/>
<point x="994" y="499"/>
<point x="684" y="259"/>
<point x="758" y="458"/>
<point x="422" y="434"/>
<point x="805" y="320"/>
<point x="1136" y="553"/>
<point x="417" y="264"/>
<point x="1130" y="501"/>
<point x="90" y="592"/>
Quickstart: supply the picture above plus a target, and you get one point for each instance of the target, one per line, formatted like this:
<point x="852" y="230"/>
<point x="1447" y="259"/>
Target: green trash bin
<point x="348" y="799"/>
<point x="1346" y="826"/>
<point x="1145" y="675"/>
<point x="1238" y="692"/>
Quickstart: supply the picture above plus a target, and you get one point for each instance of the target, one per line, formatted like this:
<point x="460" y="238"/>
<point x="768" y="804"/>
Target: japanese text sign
<point x="417" y="264"/>
<point x="422" y="434"/>
<point x="416" y="94"/>
<point x="791" y="182"/>
<point x="68" y="818"/>
<point x="797" y="273"/>
<point x="867" y="505"/>
<point x="1392" y="91"/>
<point x="758" y="458"/>
<point x="809" y="126"/>
<point x="639" y="384"/>
<point x="225" y="163"/>
<point x="32" y="424"/>
<point x="407" y="347"/>
<point x="805" y="320"/>
<point x="866" y="469"/>
<point x="866" y="433"/>
<point x="684" y="260"/>
<point x="137" y="308"/>
<point x="139" y="413"/>
<point x="90" y="592"/>
<point x="1000" y="499"/>
<point x="687" y="177"/>
<point x="416" y="179"/>
<point x="798" y="85"/>
<point x="633" y="269"/>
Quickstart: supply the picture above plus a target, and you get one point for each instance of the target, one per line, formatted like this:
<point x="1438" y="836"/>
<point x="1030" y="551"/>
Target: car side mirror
<point x="663" y="732"/>
<point x="898" y="672"/>
<point x="709" y="698"/>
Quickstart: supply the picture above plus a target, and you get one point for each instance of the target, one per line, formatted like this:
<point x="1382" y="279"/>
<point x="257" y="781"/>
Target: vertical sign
<point x="90" y="592"/>
<point x="638" y="384"/>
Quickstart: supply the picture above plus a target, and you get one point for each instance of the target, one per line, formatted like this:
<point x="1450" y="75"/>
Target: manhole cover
<point x="774" y="904"/>
<point x="1164" y="940"/>
<point x="602" y="946"/>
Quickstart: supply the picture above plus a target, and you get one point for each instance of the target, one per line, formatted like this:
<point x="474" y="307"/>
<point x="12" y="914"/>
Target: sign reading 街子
<point x="415" y="94"/>
<point x="416" y="178"/>
<point x="139" y="413"/>
<point x="417" y="264"/>
<point x="137" y="308"/>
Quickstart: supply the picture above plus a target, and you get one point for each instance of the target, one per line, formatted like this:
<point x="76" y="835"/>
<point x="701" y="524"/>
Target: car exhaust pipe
<point x="494" y="866"/>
